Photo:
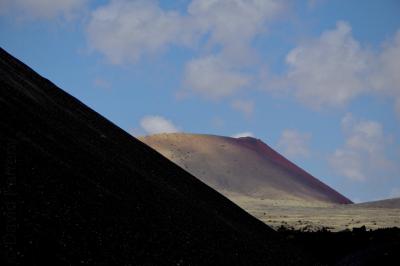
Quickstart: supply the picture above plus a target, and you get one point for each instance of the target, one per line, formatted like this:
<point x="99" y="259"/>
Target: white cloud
<point x="125" y="30"/>
<point x="243" y="135"/>
<point x="211" y="77"/>
<point x="363" y="156"/>
<point x="385" y="77"/>
<point x="244" y="106"/>
<point x="334" y="68"/>
<point x="293" y="143"/>
<point x="225" y="20"/>
<point x="223" y="74"/>
<point x="137" y="27"/>
<point x="349" y="164"/>
<point x="46" y="9"/>
<point x="153" y="124"/>
<point x="329" y="70"/>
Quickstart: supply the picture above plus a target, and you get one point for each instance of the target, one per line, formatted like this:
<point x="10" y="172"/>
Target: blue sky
<point x="317" y="80"/>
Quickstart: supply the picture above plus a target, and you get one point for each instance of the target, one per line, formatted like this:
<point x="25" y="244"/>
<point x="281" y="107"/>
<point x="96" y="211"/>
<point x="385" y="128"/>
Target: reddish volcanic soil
<point x="243" y="166"/>
<point x="264" y="150"/>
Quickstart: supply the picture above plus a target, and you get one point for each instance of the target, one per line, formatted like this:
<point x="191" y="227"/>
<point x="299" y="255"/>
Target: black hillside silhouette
<point x="78" y="190"/>
<point x="88" y="192"/>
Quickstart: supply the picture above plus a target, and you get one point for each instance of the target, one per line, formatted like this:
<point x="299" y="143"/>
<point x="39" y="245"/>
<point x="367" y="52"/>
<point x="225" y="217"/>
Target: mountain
<point x="387" y="203"/>
<point x="79" y="190"/>
<point x="243" y="167"/>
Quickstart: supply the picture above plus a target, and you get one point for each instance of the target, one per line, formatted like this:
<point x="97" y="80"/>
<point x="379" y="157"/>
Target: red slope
<point x="265" y="151"/>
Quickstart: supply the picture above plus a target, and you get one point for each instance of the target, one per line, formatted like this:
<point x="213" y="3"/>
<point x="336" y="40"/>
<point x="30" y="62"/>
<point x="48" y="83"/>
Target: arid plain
<point x="268" y="186"/>
<point x="312" y="217"/>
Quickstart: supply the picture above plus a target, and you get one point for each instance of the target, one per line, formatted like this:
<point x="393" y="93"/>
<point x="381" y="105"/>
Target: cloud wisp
<point x="154" y="124"/>
<point x="364" y="154"/>
<point x="243" y="135"/>
<point x="211" y="77"/>
<point x="385" y="77"/>
<point x="224" y="21"/>
<point x="42" y="9"/>
<point x="124" y="31"/>
<point x="328" y="70"/>
<point x="333" y="69"/>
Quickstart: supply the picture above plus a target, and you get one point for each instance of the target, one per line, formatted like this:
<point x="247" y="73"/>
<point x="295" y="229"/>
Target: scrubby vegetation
<point x="358" y="246"/>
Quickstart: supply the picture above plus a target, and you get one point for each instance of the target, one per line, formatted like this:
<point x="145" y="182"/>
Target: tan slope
<point x="387" y="203"/>
<point x="242" y="166"/>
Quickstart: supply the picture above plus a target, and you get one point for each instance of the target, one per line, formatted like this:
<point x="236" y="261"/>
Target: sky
<point x="317" y="80"/>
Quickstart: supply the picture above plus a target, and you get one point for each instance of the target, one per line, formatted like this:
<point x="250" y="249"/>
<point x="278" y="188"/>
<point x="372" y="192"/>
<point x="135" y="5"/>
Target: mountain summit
<point x="243" y="166"/>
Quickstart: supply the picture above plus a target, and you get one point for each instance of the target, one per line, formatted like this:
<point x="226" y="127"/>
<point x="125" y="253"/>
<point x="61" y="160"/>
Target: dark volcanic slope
<point x="88" y="192"/>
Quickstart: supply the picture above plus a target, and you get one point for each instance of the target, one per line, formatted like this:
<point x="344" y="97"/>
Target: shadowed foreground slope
<point x="243" y="166"/>
<point x="88" y="192"/>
